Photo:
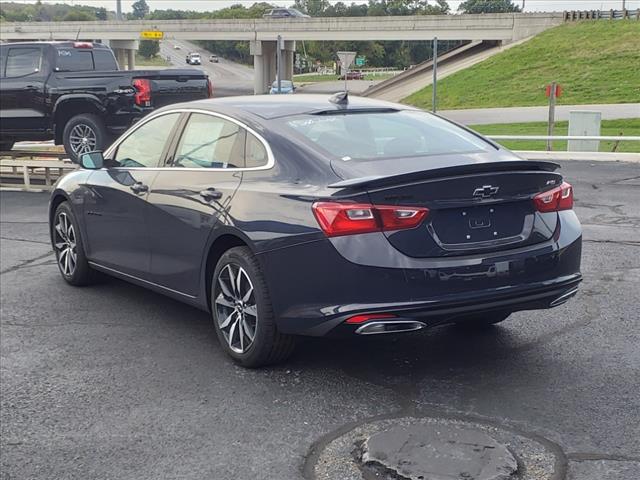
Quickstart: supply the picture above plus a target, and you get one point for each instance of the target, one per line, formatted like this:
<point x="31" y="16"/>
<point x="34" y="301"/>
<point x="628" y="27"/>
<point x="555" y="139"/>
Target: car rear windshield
<point x="84" y="60"/>
<point x="387" y="134"/>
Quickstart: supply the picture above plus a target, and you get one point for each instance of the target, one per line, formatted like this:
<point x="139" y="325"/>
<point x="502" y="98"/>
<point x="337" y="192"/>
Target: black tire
<point x="6" y="146"/>
<point x="481" y="320"/>
<point x="98" y="137"/>
<point x="81" y="274"/>
<point x="268" y="345"/>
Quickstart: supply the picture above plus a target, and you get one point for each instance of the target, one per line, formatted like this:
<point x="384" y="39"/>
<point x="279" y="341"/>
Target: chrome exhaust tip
<point x="564" y="298"/>
<point x="390" y="326"/>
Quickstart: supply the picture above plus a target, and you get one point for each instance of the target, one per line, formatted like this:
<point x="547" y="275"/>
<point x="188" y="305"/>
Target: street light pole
<point x="118" y="9"/>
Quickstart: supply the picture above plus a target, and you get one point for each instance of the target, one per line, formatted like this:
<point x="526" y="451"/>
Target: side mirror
<point x="92" y="160"/>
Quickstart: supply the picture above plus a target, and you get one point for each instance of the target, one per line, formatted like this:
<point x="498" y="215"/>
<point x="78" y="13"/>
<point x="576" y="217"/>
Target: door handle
<point x="211" y="194"/>
<point x="139" y="187"/>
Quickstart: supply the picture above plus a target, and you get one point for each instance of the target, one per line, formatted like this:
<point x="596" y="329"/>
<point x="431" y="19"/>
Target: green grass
<point x="594" y="61"/>
<point x="156" y="61"/>
<point x="628" y="127"/>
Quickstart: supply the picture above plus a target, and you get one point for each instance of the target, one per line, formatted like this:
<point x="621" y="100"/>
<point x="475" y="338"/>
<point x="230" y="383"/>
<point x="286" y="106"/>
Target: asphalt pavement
<point x="229" y="78"/>
<point x="115" y="382"/>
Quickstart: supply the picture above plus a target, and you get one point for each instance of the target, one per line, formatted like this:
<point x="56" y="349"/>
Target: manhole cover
<point x="434" y="448"/>
<point x="438" y="452"/>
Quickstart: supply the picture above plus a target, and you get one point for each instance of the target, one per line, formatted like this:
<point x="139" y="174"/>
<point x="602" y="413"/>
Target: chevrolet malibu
<point x="317" y="215"/>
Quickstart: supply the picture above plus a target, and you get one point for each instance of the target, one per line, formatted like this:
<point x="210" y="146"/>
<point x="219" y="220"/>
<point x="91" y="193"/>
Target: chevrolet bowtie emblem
<point x="486" y="191"/>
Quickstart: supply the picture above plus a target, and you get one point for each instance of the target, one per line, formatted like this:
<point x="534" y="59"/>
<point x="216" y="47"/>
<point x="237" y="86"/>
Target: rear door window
<point x="74" y="60"/>
<point x="103" y="59"/>
<point x="210" y="142"/>
<point x="256" y="153"/>
<point x="23" y="61"/>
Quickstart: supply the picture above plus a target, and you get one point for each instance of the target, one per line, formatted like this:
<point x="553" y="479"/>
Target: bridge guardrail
<point x="577" y="15"/>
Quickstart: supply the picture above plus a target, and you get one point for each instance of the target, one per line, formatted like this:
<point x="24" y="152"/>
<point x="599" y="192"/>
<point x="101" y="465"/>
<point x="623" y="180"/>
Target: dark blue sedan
<point x="317" y="215"/>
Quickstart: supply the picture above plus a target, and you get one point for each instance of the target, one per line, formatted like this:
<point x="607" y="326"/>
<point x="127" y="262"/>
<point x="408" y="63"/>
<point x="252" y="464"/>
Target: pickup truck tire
<point x="84" y="133"/>
<point x="6" y="146"/>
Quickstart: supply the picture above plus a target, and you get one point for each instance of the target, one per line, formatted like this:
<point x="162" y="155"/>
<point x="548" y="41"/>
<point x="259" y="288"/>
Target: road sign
<point x="152" y="35"/>
<point x="360" y="61"/>
<point x="346" y="59"/>
<point x="558" y="89"/>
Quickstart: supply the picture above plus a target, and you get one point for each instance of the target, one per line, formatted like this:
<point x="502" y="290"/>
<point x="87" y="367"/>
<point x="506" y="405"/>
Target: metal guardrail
<point x="565" y="137"/>
<point x="576" y="15"/>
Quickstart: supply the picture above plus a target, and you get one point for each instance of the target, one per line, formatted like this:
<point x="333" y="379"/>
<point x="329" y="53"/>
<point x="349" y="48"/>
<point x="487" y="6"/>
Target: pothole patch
<point x="433" y="448"/>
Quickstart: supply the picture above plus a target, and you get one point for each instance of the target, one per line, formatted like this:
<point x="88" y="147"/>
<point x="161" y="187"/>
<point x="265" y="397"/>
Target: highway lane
<point x="229" y="78"/>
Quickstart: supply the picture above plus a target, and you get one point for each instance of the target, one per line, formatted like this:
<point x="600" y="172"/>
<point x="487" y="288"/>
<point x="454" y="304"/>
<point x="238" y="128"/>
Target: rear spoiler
<point x="489" y="167"/>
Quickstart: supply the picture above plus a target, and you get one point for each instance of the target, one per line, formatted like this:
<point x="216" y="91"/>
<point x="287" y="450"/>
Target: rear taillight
<point x="143" y="91"/>
<point x="365" y="317"/>
<point x="209" y="88"/>
<point x="337" y="219"/>
<point x="556" y="199"/>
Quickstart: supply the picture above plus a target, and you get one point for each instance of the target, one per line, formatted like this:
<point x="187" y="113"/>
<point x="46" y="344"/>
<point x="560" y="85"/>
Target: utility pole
<point x="435" y="74"/>
<point x="523" y="2"/>
<point x="279" y="63"/>
<point x="118" y="10"/>
<point x="552" y="113"/>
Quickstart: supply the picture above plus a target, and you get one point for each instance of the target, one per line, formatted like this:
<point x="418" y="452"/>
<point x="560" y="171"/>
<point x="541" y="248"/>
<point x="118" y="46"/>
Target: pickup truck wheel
<point x="84" y="133"/>
<point x="6" y="146"/>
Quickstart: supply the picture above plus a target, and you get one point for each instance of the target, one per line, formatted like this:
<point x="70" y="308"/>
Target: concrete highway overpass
<point x="262" y="33"/>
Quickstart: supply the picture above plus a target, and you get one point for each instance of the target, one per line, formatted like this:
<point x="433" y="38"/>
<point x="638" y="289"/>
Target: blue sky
<point x="531" y="5"/>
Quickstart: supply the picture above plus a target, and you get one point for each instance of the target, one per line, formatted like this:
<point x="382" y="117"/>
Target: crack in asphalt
<point x="629" y="243"/>
<point x="25" y="240"/>
<point x="24" y="223"/>
<point x="594" y="457"/>
<point x="26" y="263"/>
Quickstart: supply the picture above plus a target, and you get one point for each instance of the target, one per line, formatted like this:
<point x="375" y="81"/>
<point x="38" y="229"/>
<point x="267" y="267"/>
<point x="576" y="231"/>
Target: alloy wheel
<point x="82" y="139"/>
<point x="65" y="244"/>
<point x="236" y="309"/>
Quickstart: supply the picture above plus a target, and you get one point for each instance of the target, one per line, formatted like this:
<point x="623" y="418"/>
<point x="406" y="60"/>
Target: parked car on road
<point x="74" y="93"/>
<point x="176" y="47"/>
<point x="316" y="215"/>
<point x="213" y="58"/>
<point x="353" y="75"/>
<point x="194" y="59"/>
<point x="285" y="13"/>
<point x="286" y="86"/>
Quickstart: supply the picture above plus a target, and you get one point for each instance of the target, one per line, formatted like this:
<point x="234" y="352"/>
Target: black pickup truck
<point x="75" y="94"/>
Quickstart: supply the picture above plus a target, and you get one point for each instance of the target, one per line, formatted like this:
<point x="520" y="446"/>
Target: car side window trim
<point x="181" y="123"/>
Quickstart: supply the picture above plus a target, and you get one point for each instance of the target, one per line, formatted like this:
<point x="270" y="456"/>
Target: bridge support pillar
<point x="264" y="63"/>
<point x="125" y="52"/>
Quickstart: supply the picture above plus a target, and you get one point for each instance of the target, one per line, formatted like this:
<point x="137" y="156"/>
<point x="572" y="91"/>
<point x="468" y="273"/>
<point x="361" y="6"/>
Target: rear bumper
<point x="316" y="286"/>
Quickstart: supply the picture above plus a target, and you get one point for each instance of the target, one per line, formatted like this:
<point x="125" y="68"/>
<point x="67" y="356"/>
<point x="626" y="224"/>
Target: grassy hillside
<point x="594" y="61"/>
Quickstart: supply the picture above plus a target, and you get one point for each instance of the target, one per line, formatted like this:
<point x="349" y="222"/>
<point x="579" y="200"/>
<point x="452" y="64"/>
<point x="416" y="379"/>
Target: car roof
<point x="275" y="106"/>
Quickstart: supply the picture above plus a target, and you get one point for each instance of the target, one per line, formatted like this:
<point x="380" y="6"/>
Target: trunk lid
<point x="473" y="206"/>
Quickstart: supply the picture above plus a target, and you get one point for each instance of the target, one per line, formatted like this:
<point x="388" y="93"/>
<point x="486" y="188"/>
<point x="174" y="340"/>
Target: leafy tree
<point x="140" y="10"/>
<point x="488" y="6"/>
<point x="148" y="48"/>
<point x="78" y="16"/>
<point x="315" y="8"/>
